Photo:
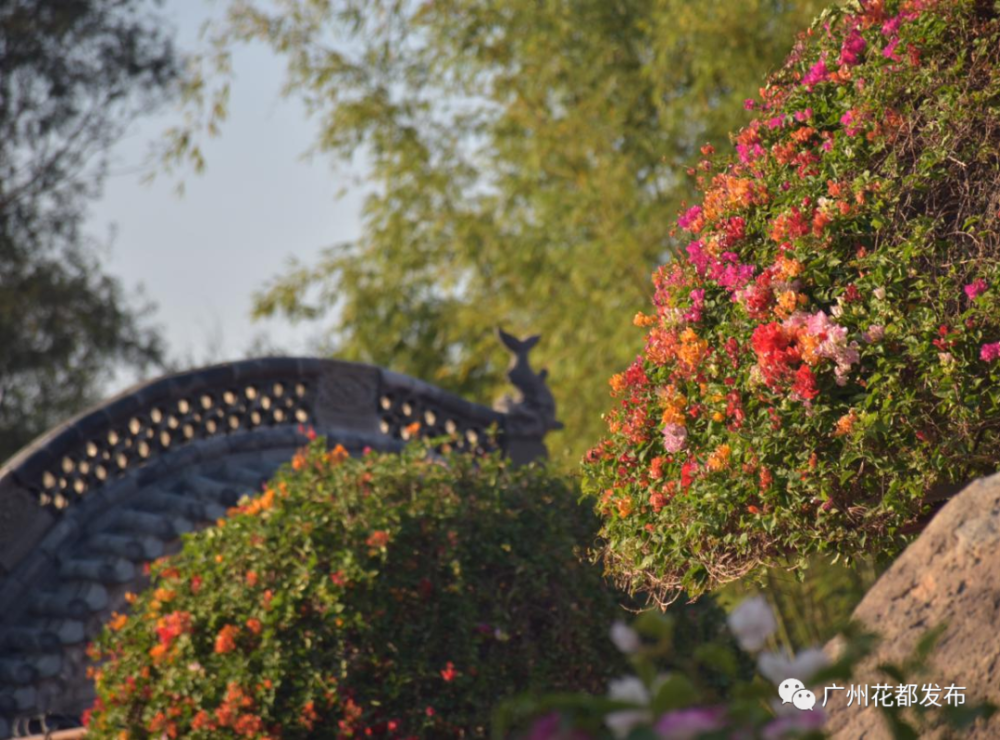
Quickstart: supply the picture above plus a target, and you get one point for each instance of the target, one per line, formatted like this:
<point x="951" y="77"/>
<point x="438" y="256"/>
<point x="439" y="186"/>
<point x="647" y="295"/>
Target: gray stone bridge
<point x="84" y="507"/>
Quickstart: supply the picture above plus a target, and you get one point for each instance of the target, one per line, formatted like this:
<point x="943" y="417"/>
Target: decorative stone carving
<point x="531" y="413"/>
<point x="347" y="396"/>
<point x="534" y="407"/>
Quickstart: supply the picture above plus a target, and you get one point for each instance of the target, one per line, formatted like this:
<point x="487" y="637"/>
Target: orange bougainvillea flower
<point x="642" y="319"/>
<point x="449" y="672"/>
<point x="117" y="621"/>
<point x="260" y="504"/>
<point x="308" y="716"/>
<point x="164" y="595"/>
<point x="378" y="538"/>
<point x="719" y="459"/>
<point x="845" y="424"/>
<point x="338" y="455"/>
<point x="172" y="626"/>
<point x="225" y="641"/>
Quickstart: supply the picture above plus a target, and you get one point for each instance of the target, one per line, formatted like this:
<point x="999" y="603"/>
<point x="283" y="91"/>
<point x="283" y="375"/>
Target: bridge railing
<point x="132" y="430"/>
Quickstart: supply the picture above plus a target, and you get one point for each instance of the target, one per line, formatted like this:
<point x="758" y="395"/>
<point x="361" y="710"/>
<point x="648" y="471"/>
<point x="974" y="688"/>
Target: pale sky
<point x="258" y="204"/>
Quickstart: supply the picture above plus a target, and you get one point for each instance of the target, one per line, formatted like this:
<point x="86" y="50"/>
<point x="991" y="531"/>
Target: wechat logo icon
<point x="792" y="691"/>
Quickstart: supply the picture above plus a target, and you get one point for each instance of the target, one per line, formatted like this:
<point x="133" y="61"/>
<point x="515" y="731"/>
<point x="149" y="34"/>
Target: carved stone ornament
<point x="531" y="412"/>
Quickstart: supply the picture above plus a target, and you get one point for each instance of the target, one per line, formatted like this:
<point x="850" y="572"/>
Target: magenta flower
<point x="749" y="104"/>
<point x="990" y="352"/>
<point x="776" y="122"/>
<point x="749" y="154"/>
<point x="852" y="49"/>
<point x="803" y="115"/>
<point x="889" y="52"/>
<point x="688" y="724"/>
<point x="975" y="289"/>
<point x="850" y="123"/>
<point x="891" y="27"/>
<point x="697" y="304"/>
<point x="816" y="74"/>
<point x="697" y="256"/>
<point x="689" y="217"/>
<point x="550" y="727"/>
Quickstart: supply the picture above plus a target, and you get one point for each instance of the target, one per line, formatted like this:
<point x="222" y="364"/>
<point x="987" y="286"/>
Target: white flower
<point x="625" y="638"/>
<point x="752" y="622"/>
<point x="880" y="293"/>
<point x="627" y="689"/>
<point x="778" y="666"/>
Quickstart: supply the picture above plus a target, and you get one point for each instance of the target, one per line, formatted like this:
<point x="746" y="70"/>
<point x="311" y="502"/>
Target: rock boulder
<point x="949" y="575"/>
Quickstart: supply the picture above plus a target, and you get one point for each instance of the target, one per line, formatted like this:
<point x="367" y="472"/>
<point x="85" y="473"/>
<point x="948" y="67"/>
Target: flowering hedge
<point x="823" y="353"/>
<point x="391" y="596"/>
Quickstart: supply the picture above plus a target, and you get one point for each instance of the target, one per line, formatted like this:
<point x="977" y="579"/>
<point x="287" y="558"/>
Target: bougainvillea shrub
<point x="387" y="596"/>
<point x="824" y="352"/>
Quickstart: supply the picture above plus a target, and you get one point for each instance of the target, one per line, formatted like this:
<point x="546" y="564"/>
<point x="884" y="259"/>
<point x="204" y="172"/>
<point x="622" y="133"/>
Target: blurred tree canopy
<point x="73" y="73"/>
<point x="526" y="160"/>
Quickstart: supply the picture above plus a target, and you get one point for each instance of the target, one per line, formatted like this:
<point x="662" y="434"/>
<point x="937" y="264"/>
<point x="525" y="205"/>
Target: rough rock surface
<point x="949" y="575"/>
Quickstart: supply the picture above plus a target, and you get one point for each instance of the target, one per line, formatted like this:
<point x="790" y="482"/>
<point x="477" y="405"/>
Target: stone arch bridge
<point x="83" y="507"/>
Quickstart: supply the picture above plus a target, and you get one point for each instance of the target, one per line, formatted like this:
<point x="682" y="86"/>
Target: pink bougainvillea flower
<point x="850" y="122"/>
<point x="874" y="334"/>
<point x="975" y="289"/>
<point x="852" y="49"/>
<point x="776" y="122"/>
<point x="691" y="219"/>
<point x="889" y="52"/>
<point x="674" y="437"/>
<point x="817" y="73"/>
<point x="693" y="314"/>
<point x="891" y="27"/>
<point x="990" y="352"/>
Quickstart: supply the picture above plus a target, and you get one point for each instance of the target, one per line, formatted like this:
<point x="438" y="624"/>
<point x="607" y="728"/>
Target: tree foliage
<point x="72" y="74"/>
<point x="524" y="159"/>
